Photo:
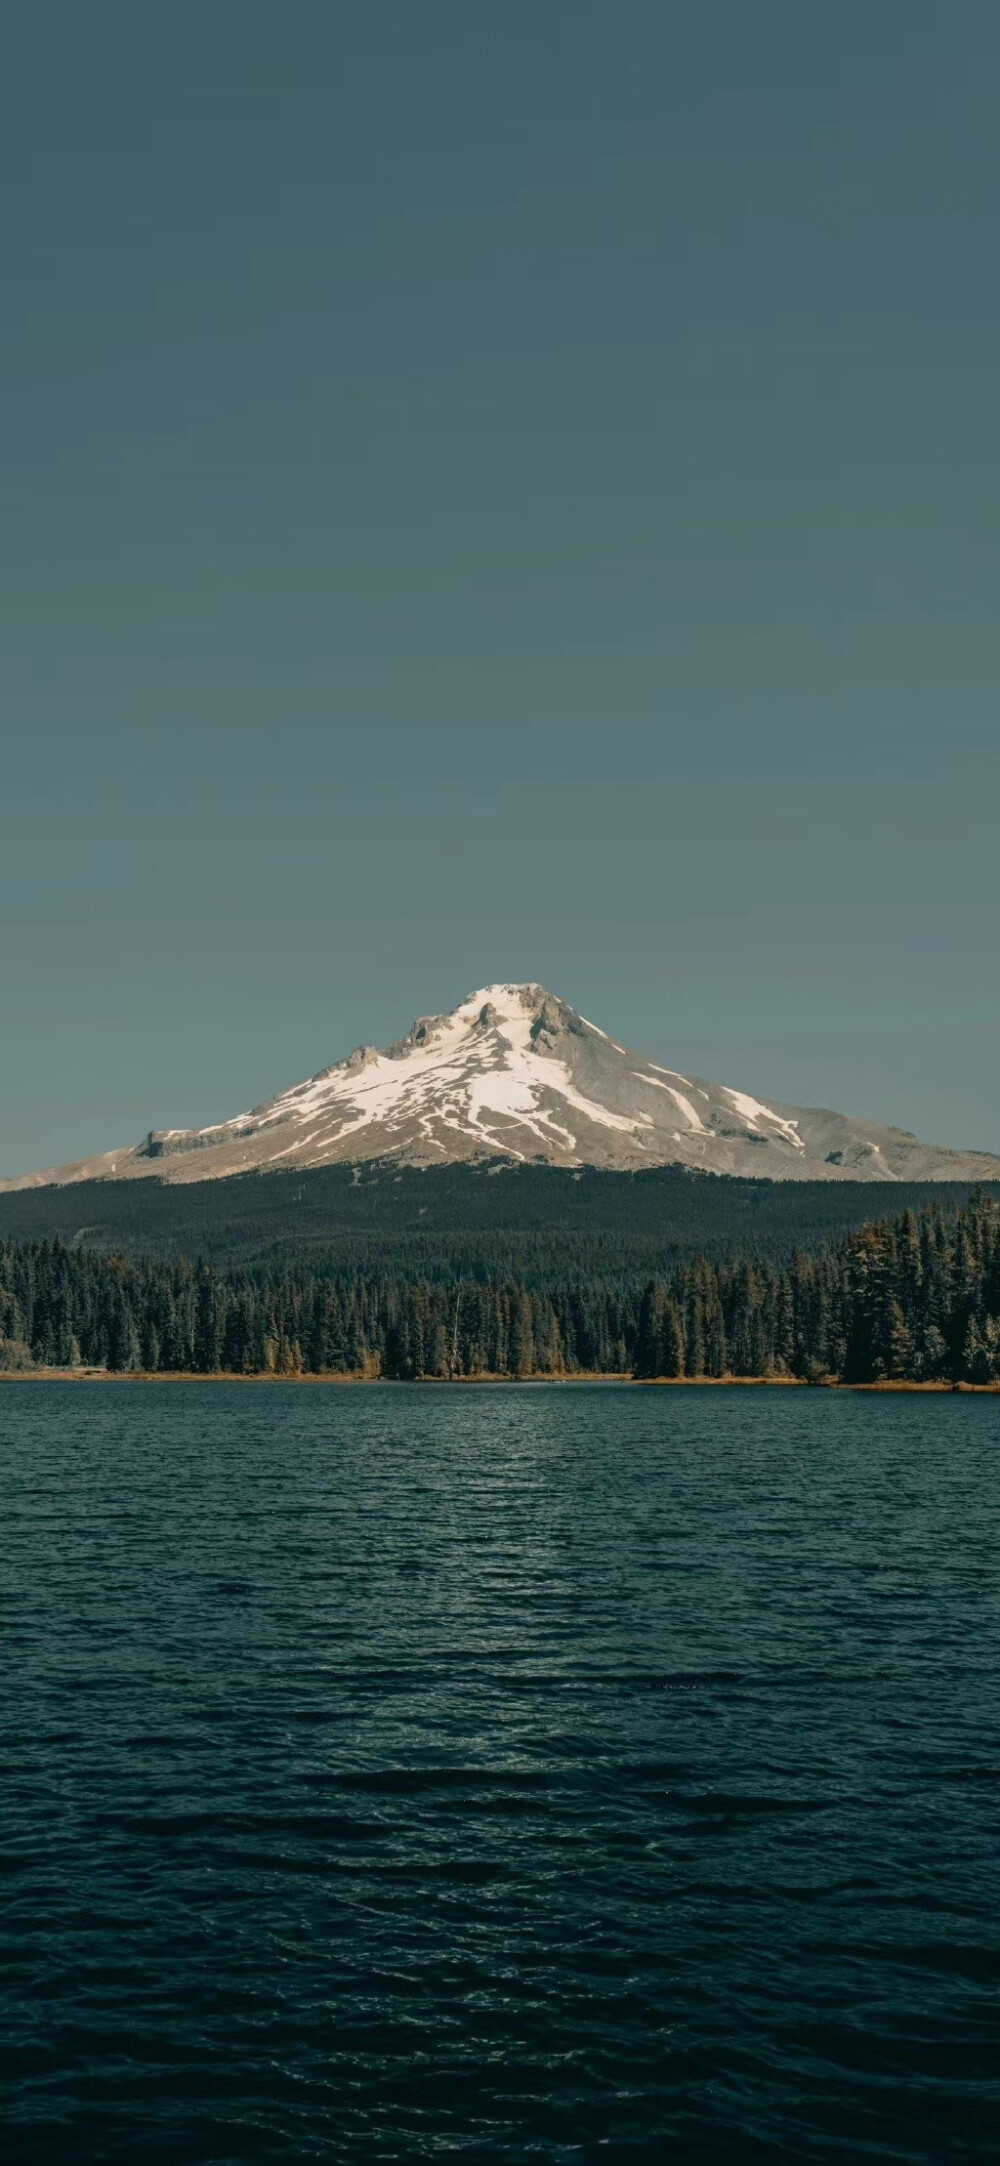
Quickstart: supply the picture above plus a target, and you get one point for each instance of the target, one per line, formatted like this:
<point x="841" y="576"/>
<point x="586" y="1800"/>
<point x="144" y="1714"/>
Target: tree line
<point x="914" y="1298"/>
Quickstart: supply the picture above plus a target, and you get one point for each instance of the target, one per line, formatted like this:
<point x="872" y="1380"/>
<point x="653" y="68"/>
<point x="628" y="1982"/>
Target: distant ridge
<point x="515" y="1075"/>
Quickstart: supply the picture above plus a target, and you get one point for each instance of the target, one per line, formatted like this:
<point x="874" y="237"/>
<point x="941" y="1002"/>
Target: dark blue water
<point x="513" y="1773"/>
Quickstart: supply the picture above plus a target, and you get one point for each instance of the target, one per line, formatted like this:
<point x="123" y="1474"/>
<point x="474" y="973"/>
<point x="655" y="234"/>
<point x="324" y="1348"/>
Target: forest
<point x="913" y="1298"/>
<point x="534" y="1223"/>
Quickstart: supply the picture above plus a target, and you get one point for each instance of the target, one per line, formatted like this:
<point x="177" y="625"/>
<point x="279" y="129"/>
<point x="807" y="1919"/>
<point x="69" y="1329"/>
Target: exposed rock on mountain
<point x="515" y="1074"/>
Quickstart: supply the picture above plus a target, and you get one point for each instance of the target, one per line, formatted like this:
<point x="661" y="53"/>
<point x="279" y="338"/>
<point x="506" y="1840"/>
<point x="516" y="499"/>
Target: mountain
<point x="515" y="1075"/>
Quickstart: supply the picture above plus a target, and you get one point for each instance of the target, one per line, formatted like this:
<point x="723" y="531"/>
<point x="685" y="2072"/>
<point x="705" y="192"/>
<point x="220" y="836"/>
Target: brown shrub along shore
<point x="55" y="1375"/>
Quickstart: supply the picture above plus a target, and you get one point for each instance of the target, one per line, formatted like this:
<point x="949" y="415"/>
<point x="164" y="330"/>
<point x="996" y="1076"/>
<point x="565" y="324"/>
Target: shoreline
<point x="43" y="1375"/>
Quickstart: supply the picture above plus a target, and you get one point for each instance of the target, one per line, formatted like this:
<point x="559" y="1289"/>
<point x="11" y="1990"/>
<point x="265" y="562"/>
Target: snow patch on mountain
<point x="754" y="1114"/>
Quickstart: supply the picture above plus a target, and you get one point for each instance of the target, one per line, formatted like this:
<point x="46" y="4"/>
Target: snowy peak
<point x="515" y="1074"/>
<point x="494" y="1077"/>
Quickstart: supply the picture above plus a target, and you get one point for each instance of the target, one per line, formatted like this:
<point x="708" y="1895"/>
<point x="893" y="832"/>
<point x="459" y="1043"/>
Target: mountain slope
<point x="514" y="1074"/>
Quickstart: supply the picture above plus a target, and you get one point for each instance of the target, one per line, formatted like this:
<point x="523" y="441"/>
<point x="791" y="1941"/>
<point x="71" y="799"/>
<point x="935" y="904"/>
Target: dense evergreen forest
<point x="917" y="1298"/>
<point x="536" y="1224"/>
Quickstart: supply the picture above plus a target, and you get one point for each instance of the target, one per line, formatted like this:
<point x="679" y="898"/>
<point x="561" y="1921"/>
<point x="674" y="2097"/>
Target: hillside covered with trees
<point x="538" y="1224"/>
<point x="916" y="1298"/>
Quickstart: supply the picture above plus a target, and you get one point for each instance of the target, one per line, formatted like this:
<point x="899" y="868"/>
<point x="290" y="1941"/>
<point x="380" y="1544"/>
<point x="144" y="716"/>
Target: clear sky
<point x="498" y="492"/>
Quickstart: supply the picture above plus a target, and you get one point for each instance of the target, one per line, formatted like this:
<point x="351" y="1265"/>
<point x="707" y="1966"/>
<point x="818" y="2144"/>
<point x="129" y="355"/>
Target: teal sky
<point x="497" y="493"/>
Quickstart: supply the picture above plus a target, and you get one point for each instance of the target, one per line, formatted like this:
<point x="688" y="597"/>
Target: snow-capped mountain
<point x="514" y="1074"/>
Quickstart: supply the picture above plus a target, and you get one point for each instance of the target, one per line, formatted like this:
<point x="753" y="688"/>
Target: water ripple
<point x="502" y="1775"/>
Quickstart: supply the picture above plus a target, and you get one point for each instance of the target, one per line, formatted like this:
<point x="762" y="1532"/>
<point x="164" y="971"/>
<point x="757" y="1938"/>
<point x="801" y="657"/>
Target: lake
<point x="524" y="1773"/>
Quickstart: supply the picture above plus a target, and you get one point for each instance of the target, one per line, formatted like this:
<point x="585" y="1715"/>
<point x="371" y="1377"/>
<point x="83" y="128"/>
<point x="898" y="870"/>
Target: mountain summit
<point x="515" y="1074"/>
